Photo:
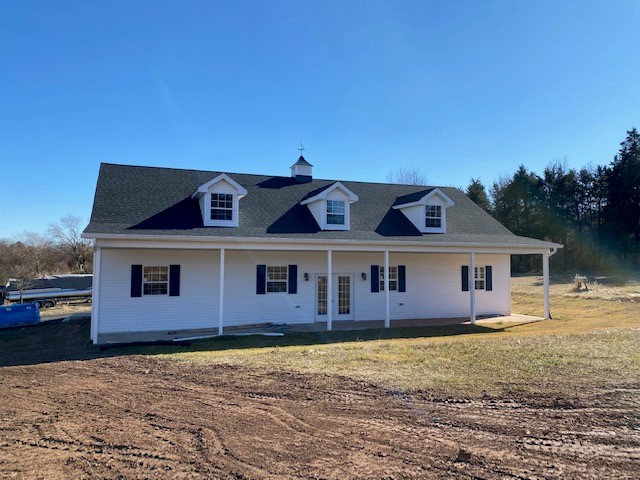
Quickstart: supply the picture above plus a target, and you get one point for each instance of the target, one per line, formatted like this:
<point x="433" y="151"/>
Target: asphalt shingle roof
<point x="133" y="200"/>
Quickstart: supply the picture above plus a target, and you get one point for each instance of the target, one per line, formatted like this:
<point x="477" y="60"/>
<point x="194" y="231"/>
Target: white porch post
<point x="472" y="287"/>
<point x="221" y="300"/>
<point x="95" y="293"/>
<point x="387" y="315"/>
<point x="329" y="290"/>
<point x="545" y="275"/>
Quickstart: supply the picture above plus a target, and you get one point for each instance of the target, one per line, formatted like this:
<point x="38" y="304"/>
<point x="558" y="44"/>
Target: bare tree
<point x="68" y="233"/>
<point x="407" y="176"/>
<point x="28" y="257"/>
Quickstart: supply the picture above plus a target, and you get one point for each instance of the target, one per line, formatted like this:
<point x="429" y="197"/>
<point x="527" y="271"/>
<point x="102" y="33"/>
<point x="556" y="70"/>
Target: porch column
<point x="472" y="287"/>
<point x="545" y="275"/>
<point x="329" y="291"/>
<point x="221" y="300"/>
<point x="387" y="316"/>
<point x="95" y="293"/>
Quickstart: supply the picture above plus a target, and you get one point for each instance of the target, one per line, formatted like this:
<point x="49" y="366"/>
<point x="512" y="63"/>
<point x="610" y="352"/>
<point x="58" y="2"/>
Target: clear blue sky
<point x="459" y="89"/>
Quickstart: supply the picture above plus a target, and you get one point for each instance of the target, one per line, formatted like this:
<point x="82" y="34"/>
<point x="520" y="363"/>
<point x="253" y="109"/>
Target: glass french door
<point x="342" y="302"/>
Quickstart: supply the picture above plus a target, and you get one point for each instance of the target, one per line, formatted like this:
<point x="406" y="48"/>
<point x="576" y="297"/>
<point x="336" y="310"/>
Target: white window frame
<point x="331" y="205"/>
<point x="480" y="277"/>
<point x="282" y="276"/>
<point x="393" y="278"/>
<point x="224" y="209"/>
<point x="433" y="217"/>
<point x="146" y="282"/>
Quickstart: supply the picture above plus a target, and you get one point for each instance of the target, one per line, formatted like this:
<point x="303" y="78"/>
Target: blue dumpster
<point x="19" y="314"/>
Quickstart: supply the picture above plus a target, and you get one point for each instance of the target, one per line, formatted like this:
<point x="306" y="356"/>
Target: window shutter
<point x="465" y="278"/>
<point x="402" y="278"/>
<point x="375" y="278"/>
<point x="293" y="279"/>
<point x="174" y="280"/>
<point x="136" y="280"/>
<point x="261" y="279"/>
<point x="488" y="278"/>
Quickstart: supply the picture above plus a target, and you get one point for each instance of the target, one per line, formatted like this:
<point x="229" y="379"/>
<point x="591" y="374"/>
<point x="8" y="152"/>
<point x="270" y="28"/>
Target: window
<point x="433" y="216"/>
<point x="277" y="279"/>
<point x="393" y="278"/>
<point x="480" y="278"/>
<point x="335" y="212"/>
<point x="155" y="280"/>
<point x="221" y="206"/>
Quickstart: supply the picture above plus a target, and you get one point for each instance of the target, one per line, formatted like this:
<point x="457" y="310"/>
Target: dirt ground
<point x="136" y="416"/>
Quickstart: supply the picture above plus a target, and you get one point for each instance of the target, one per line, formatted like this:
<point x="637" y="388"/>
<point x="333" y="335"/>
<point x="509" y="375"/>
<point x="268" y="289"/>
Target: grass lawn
<point x="593" y="340"/>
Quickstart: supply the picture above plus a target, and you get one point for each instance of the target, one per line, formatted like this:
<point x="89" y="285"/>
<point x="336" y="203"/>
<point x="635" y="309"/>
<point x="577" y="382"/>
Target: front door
<point x="342" y="302"/>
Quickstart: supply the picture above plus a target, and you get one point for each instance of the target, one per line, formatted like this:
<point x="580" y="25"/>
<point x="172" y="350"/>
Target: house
<point x="185" y="250"/>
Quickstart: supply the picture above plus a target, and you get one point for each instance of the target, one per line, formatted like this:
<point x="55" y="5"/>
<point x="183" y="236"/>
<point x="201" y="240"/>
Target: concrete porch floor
<point x="278" y="329"/>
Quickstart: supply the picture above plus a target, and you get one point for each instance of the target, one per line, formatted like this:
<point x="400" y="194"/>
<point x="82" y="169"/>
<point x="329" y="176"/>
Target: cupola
<point x="302" y="171"/>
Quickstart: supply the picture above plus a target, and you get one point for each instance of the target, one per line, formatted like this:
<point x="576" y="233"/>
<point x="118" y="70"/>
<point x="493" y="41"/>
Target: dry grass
<point x="616" y="286"/>
<point x="65" y="308"/>
<point x="591" y="342"/>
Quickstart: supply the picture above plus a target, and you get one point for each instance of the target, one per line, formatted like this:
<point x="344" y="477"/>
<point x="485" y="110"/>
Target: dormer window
<point x="219" y="201"/>
<point x="331" y="206"/>
<point x="433" y="217"/>
<point x="336" y="211"/>
<point x="426" y="209"/>
<point x="221" y="206"/>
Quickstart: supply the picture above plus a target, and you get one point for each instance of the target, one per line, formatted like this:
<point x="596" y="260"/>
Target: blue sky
<point x="459" y="89"/>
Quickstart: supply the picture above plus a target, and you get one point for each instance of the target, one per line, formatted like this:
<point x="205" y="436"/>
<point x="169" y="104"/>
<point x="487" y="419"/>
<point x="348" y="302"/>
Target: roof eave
<point x="205" y="239"/>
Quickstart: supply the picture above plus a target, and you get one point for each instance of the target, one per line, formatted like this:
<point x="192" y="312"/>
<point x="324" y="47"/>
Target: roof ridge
<point x="274" y="176"/>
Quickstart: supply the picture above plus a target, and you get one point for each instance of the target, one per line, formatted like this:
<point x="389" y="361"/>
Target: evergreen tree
<point x="477" y="193"/>
<point x="623" y="198"/>
<point x="561" y="210"/>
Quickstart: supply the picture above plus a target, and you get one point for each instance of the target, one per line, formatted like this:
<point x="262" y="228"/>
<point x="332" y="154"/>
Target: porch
<point x="283" y="328"/>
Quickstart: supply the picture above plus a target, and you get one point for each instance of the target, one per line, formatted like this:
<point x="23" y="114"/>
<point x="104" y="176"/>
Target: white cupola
<point x="302" y="171"/>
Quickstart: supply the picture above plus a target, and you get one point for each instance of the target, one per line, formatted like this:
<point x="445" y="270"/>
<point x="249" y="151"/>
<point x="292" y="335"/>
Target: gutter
<point x="305" y="241"/>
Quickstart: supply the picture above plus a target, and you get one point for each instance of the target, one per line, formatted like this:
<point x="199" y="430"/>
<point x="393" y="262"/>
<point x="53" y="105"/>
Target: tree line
<point x="61" y="250"/>
<point x="594" y="211"/>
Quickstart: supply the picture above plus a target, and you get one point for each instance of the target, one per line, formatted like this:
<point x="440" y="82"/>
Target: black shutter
<point x="174" y="280"/>
<point x="293" y="279"/>
<point x="136" y="280"/>
<point x="465" y="278"/>
<point x="261" y="279"/>
<point x="489" y="278"/>
<point x="375" y="278"/>
<point x="402" y="278"/>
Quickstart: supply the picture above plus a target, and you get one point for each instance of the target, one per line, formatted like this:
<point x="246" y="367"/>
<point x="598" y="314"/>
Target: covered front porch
<point x="283" y="328"/>
<point x="226" y="287"/>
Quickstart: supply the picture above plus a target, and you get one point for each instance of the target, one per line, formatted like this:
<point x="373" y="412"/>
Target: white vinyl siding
<point x="196" y="307"/>
<point x="432" y="280"/>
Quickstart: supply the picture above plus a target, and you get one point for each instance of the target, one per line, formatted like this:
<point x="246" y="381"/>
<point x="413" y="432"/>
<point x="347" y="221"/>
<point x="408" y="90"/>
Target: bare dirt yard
<point x="555" y="399"/>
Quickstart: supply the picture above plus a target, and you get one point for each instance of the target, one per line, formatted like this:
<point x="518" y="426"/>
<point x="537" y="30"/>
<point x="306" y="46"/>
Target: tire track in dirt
<point x="138" y="417"/>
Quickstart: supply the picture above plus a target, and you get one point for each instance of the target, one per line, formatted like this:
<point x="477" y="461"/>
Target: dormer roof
<point x="321" y="194"/>
<point x="422" y="198"/>
<point x="223" y="177"/>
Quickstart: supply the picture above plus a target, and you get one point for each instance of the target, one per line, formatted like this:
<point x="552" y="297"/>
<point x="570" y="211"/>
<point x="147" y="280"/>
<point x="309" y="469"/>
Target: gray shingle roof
<point x="133" y="200"/>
